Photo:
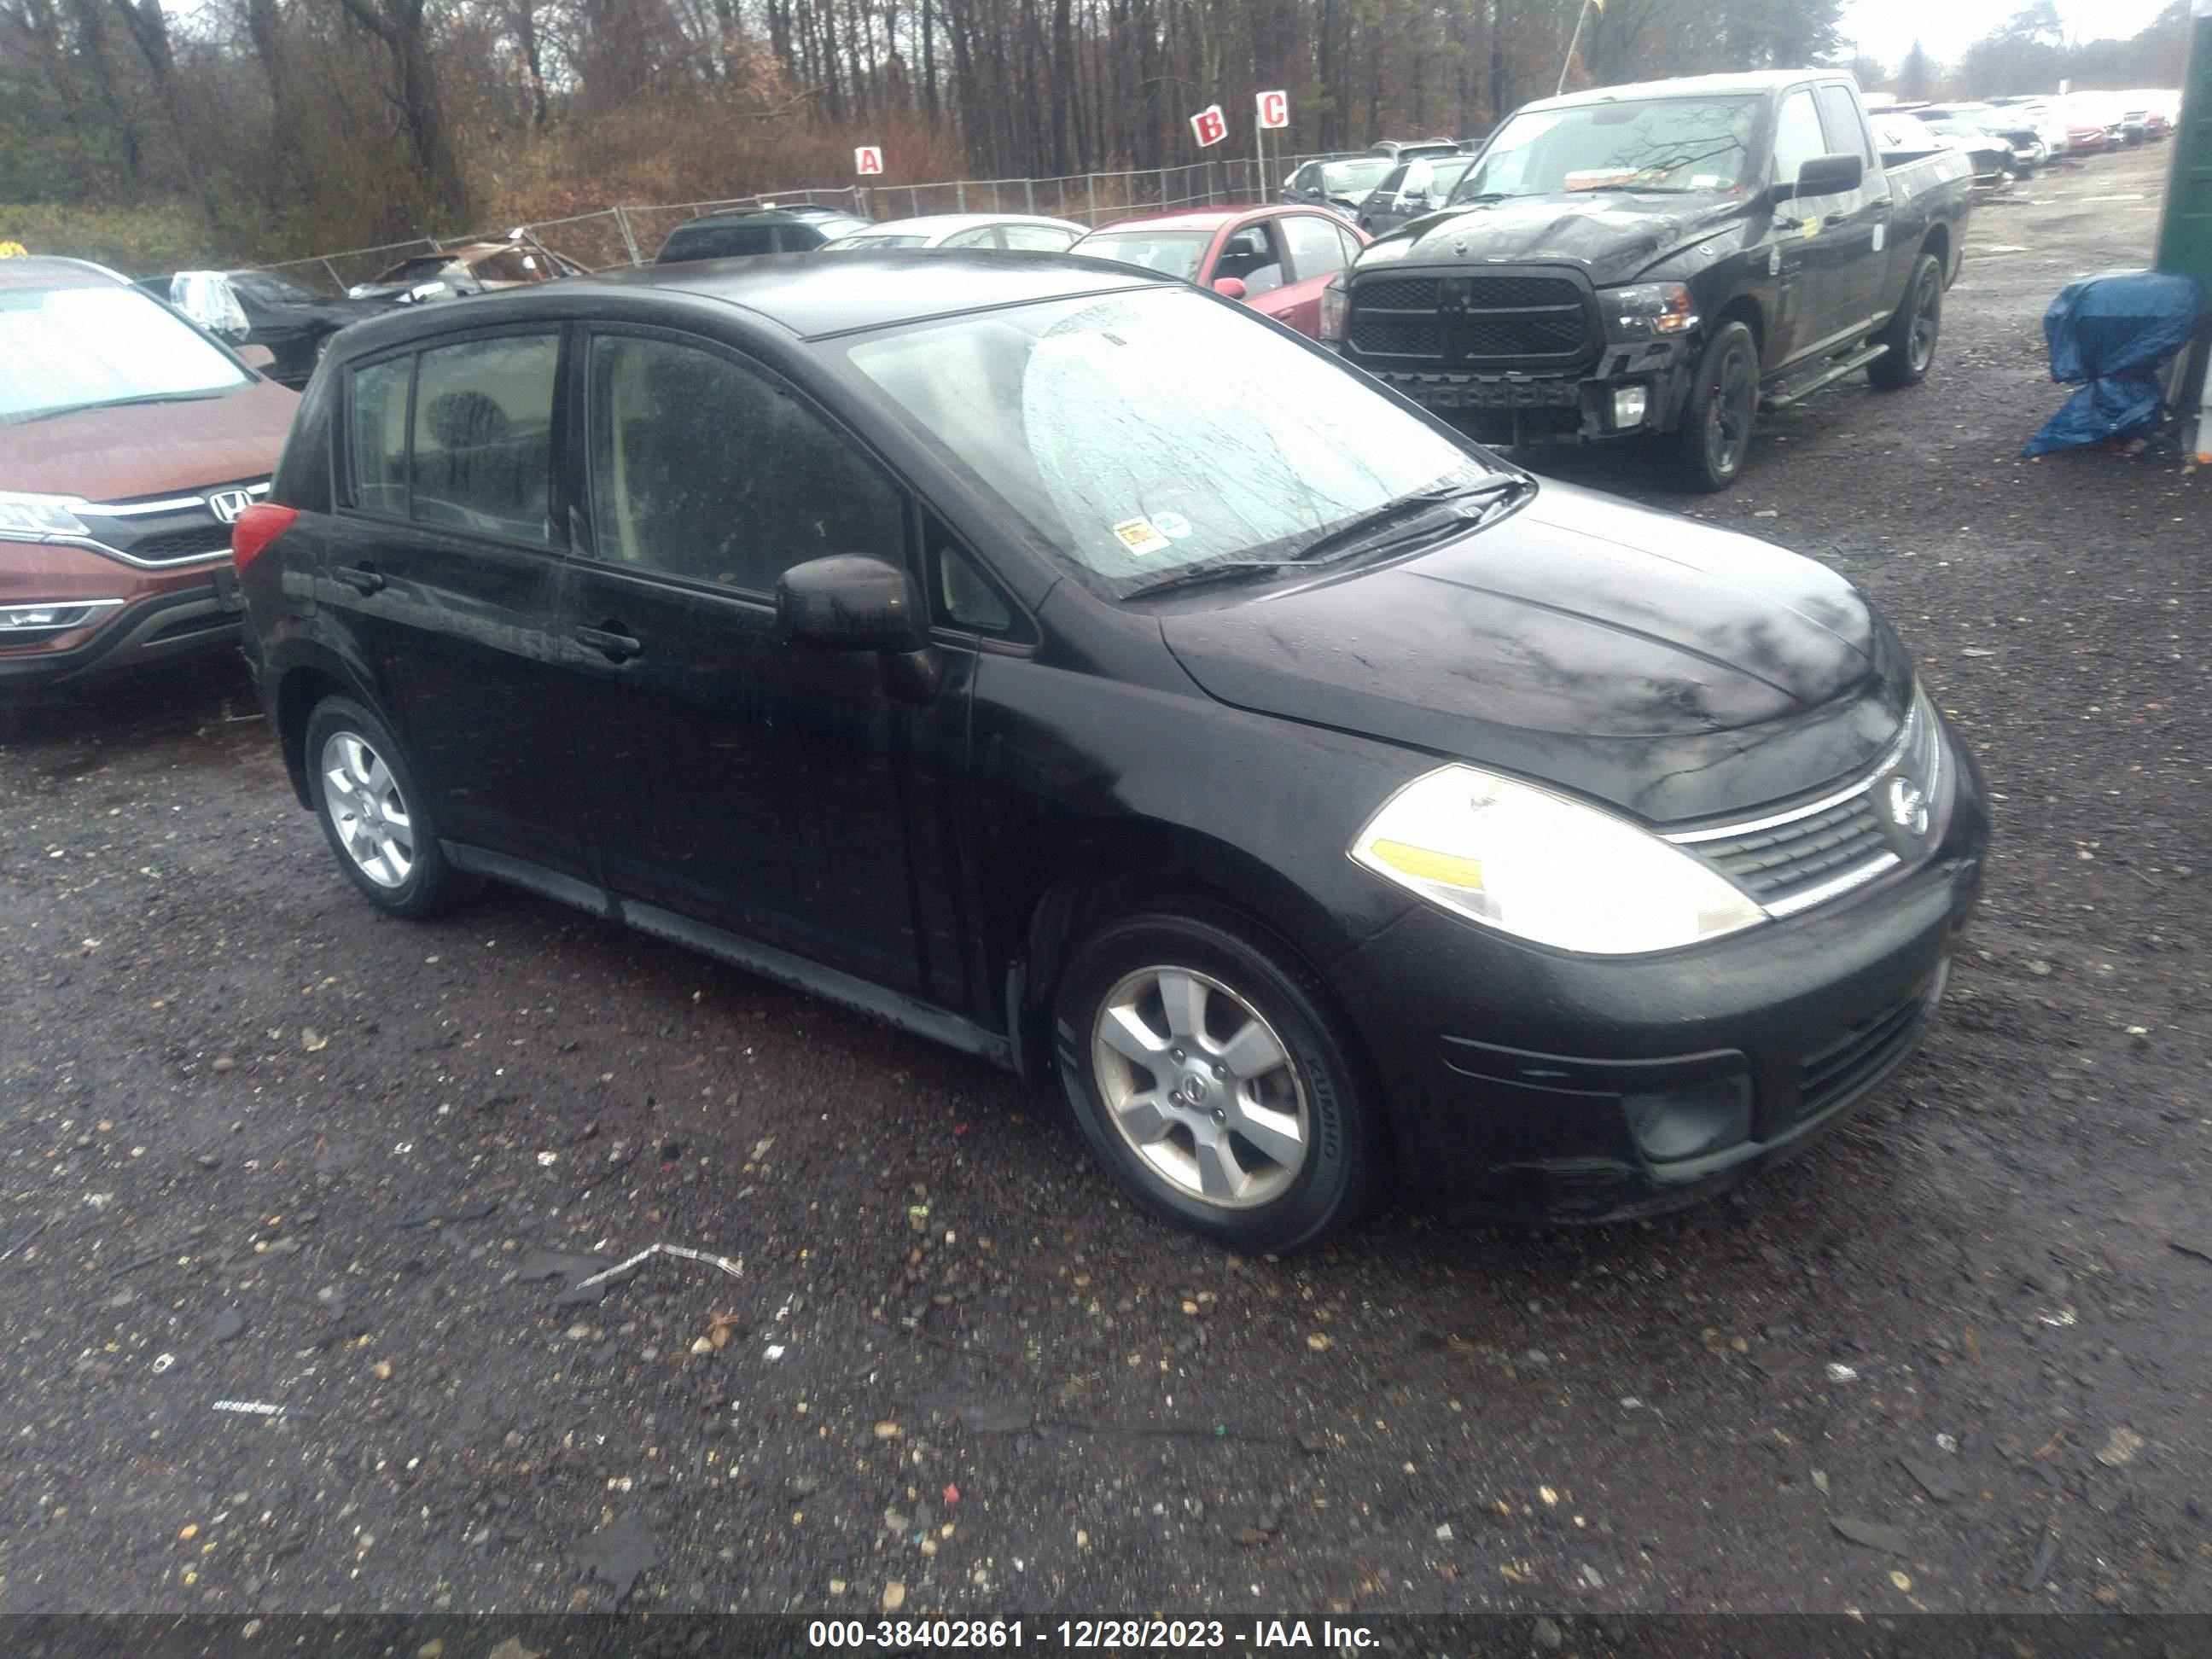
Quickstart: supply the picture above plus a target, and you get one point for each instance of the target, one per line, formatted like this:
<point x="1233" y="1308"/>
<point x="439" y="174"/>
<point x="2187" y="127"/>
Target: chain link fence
<point x="630" y="235"/>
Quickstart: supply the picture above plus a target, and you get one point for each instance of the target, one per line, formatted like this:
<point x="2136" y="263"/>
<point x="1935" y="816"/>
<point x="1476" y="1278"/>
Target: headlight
<point x="40" y="516"/>
<point x="1646" y="311"/>
<point x="1334" y="303"/>
<point x="1546" y="868"/>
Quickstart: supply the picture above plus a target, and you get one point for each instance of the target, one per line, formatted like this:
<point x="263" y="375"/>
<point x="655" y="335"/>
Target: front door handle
<point x="613" y="642"/>
<point x="361" y="578"/>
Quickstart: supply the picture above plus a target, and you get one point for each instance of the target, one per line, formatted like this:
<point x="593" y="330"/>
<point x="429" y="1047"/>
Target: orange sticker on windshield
<point x="1140" y="536"/>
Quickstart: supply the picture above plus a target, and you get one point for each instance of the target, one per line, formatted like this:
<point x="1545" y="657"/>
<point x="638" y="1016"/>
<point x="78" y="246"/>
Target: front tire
<point x="1711" y="444"/>
<point x="1210" y="1073"/>
<point x="1910" y="335"/>
<point x="372" y="811"/>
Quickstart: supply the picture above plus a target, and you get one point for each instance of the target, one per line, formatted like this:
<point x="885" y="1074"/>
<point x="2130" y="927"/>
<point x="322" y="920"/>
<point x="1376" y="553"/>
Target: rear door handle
<point x="361" y="578"/>
<point x="612" y="641"/>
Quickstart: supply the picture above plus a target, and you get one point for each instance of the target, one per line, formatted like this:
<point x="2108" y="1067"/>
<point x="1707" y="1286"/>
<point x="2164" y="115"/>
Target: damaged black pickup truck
<point x="1663" y="259"/>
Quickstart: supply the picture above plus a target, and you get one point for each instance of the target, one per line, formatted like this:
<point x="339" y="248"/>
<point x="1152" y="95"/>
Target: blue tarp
<point x="2109" y="333"/>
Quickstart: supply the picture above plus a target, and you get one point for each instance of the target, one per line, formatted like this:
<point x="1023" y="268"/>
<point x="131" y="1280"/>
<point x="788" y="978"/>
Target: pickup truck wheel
<point x="1209" y="1071"/>
<point x="1715" y="436"/>
<point x="1911" y="334"/>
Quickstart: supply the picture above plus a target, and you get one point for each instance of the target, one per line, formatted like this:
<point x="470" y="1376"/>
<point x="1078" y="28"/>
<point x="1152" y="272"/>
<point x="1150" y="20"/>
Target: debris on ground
<point x="1872" y="1535"/>
<point x="618" y="1551"/>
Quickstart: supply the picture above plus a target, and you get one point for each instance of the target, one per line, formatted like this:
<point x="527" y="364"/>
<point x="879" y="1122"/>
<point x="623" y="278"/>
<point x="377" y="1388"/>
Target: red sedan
<point x="1275" y="259"/>
<point x="2082" y="139"/>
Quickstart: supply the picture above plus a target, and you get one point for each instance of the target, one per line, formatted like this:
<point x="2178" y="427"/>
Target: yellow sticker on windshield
<point x="1812" y="224"/>
<point x="1140" y="536"/>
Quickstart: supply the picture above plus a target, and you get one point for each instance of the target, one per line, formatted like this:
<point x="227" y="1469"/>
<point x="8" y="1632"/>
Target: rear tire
<point x="1910" y="335"/>
<point x="1209" y="1071"/>
<point x="373" y="814"/>
<point x="1714" y="440"/>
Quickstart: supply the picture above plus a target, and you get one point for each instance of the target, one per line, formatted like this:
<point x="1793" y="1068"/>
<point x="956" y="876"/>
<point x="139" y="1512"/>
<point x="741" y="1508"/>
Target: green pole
<point x="2185" y="231"/>
<point x="2184" y="226"/>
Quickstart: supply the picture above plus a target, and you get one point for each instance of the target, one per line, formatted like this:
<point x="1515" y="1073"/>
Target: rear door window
<point x="380" y="435"/>
<point x="481" y="454"/>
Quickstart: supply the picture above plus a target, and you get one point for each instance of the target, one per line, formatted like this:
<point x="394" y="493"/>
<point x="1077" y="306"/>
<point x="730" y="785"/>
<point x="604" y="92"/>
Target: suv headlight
<point x="40" y="516"/>
<point x="1334" y="302"/>
<point x="1546" y="868"/>
<point x="1646" y="311"/>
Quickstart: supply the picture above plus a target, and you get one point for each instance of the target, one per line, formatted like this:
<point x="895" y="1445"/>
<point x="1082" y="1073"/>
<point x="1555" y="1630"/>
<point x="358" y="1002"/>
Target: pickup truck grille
<point x="1493" y="321"/>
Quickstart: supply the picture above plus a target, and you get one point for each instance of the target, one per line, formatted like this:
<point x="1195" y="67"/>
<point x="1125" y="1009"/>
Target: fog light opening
<point x="1692" y="1119"/>
<point x="1629" y="404"/>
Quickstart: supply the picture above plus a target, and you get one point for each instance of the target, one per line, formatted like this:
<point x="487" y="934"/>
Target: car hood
<point x="149" y="449"/>
<point x="1614" y="236"/>
<point x="1673" y="670"/>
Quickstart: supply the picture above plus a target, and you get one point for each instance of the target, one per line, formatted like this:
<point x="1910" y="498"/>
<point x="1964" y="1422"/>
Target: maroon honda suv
<point x="129" y="442"/>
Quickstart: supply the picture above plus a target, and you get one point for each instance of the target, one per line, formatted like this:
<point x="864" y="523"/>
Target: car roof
<point x="812" y="298"/>
<point x="52" y="270"/>
<point x="798" y="215"/>
<point x="950" y="224"/>
<point x="1692" y="86"/>
<point x="1210" y="218"/>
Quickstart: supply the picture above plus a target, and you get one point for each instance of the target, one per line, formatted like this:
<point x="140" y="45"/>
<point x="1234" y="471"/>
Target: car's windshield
<point x="1143" y="434"/>
<point x="76" y="348"/>
<point x="845" y="242"/>
<point x="1353" y="178"/>
<point x="1176" y="252"/>
<point x="1679" y="145"/>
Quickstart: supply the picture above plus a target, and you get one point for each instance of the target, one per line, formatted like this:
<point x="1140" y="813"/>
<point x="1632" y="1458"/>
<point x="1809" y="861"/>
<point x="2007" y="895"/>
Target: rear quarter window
<point x="379" y="436"/>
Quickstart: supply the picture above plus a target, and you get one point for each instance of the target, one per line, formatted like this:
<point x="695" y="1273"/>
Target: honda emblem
<point x="228" y="505"/>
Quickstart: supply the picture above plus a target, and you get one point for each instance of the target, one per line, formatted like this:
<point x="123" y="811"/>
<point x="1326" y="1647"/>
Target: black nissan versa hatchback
<point x="1061" y="662"/>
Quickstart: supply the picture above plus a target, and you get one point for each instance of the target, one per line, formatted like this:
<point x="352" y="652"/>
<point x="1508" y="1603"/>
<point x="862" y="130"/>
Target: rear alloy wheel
<point x="364" y="794"/>
<point x="1911" y="334"/>
<point x="1210" y="1074"/>
<point x="1715" y="436"/>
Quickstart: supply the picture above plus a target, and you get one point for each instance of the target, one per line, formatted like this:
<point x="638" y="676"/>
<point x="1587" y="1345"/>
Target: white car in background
<point x="1021" y="233"/>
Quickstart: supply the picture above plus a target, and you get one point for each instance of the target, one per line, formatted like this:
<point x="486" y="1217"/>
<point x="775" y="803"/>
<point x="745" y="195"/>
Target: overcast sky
<point x="1888" y="28"/>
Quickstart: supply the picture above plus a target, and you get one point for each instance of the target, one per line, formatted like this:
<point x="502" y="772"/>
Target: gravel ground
<point x="263" y="1147"/>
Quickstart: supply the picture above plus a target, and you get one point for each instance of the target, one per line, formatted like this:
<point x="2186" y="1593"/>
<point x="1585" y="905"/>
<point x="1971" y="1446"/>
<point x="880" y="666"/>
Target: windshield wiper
<point x="1428" y="510"/>
<point x="1365" y="534"/>
<point x="125" y="403"/>
<point x="1482" y="200"/>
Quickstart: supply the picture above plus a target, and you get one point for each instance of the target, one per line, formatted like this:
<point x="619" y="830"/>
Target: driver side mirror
<point x="850" y="602"/>
<point x="1823" y="175"/>
<point x="1229" y="288"/>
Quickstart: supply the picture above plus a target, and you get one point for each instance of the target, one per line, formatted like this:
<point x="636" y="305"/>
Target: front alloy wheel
<point x="1714" y="435"/>
<point x="1209" y="1070"/>
<point x="1200" y="1087"/>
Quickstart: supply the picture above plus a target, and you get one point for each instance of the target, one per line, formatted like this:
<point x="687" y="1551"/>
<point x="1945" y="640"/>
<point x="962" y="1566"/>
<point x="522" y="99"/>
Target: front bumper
<point x="189" y="614"/>
<point x="1529" y="1084"/>
<point x="1575" y="406"/>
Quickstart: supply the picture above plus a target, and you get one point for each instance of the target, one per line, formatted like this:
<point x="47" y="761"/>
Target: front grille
<point x="1518" y="293"/>
<point x="166" y="529"/>
<point x="1804" y="852"/>
<point x="1864" y="1054"/>
<point x="1804" y="855"/>
<point x="1405" y="294"/>
<point x="170" y="544"/>
<point x="1541" y="334"/>
<point x="1398" y="336"/>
